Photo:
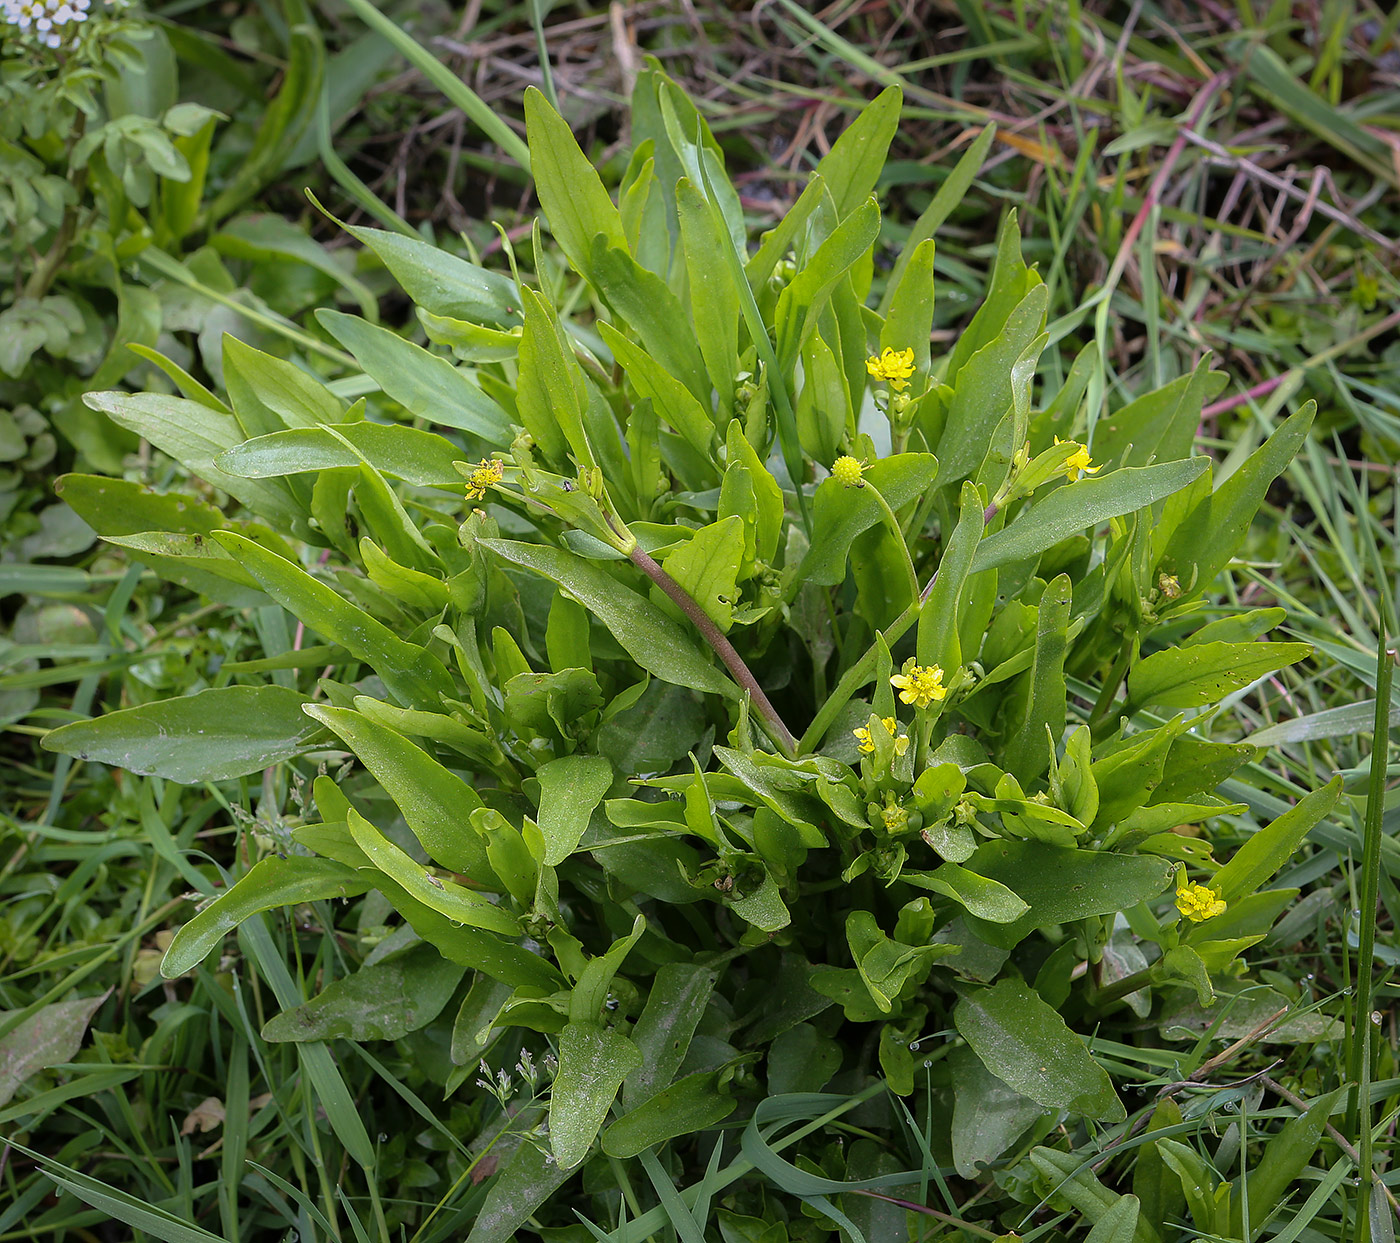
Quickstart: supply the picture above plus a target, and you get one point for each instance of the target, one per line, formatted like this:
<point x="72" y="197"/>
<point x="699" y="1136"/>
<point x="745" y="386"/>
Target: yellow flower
<point x="895" y="817"/>
<point x="1079" y="462"/>
<point x="1198" y="903"/>
<point x="484" y="477"/>
<point x="901" y="741"/>
<point x="1169" y="586"/>
<point x="893" y="366"/>
<point x="867" y="743"/>
<point x="847" y="471"/>
<point x="919" y="685"/>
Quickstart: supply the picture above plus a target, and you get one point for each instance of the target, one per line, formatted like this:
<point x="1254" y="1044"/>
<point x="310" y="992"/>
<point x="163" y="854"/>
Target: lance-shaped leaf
<point x="839" y="514"/>
<point x="217" y="734"/>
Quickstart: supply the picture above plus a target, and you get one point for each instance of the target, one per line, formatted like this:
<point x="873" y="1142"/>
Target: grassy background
<point x="1192" y="178"/>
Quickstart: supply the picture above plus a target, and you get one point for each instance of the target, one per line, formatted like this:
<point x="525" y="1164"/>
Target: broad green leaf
<point x="425" y="385"/>
<point x="1119" y="1224"/>
<point x="671" y="399"/>
<point x="271" y="395"/>
<point x="938" y="642"/>
<point x="1272" y="846"/>
<point x="214" y="735"/>
<point x="1027" y="1045"/>
<point x="384" y="1000"/>
<point x="978" y="895"/>
<point x="675" y="1004"/>
<point x="442" y="283"/>
<point x="824" y="415"/>
<point x="275" y="881"/>
<point x="950" y="195"/>
<point x="194" y="435"/>
<point x="458" y="903"/>
<point x="593" y="1062"/>
<point x="706" y="565"/>
<point x="1204" y="673"/>
<point x="692" y="1104"/>
<point x="1061" y="885"/>
<point x="1285" y="1157"/>
<point x="988" y="1116"/>
<point x="50" y="1036"/>
<point x="1213" y="531"/>
<point x="571" y="787"/>
<point x="714" y="302"/>
<point x="651" y="638"/>
<point x="1028" y="749"/>
<point x="550" y="395"/>
<point x="527" y="1180"/>
<point x="435" y="803"/>
<point x="1148" y="428"/>
<point x="910" y="318"/>
<point x="571" y="193"/>
<point x="983" y="389"/>
<point x="588" y="1003"/>
<point x="1073" y="1179"/>
<point x="886" y="966"/>
<point x="839" y="514"/>
<point x="644" y="301"/>
<point x="410" y="672"/>
<point x="804" y="299"/>
<point x="853" y="166"/>
<point x="118" y="509"/>
<point x="1083" y="505"/>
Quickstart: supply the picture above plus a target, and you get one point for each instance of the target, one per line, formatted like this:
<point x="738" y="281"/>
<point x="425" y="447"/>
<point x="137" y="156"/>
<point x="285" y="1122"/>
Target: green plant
<point x="767" y="729"/>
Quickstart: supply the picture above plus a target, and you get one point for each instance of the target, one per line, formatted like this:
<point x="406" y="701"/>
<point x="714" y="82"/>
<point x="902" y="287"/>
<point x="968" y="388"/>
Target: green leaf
<point x="1204" y="673"/>
<point x="707" y="564"/>
<point x="1079" y="506"/>
<point x="1061" y="885"/>
<point x="840" y="514"/>
<point x="571" y="192"/>
<point x="425" y="385"/>
<point x="857" y="158"/>
<point x="1339" y="722"/>
<point x="675" y="1004"/>
<point x="410" y="672"/>
<point x="384" y="1000"/>
<point x="978" y="895"/>
<point x="692" y="1104"/>
<point x="1283" y="1161"/>
<point x="435" y="803"/>
<point x="988" y="1117"/>
<point x="910" y="318"/>
<point x="1027" y="1045"/>
<point x="806" y="296"/>
<point x="50" y="1036"/>
<point x="714" y="301"/>
<point x="550" y="390"/>
<point x="1119" y="1224"/>
<point x="442" y="283"/>
<point x="1215" y="528"/>
<point x="1029" y="745"/>
<point x="446" y="897"/>
<point x="214" y="735"/>
<point x="593" y="1062"/>
<point x="673" y="401"/>
<point x="938" y="642"/>
<point x="529" y="1178"/>
<point x="270" y="395"/>
<point x="271" y="882"/>
<point x="950" y="195"/>
<point x="571" y="787"/>
<point x="651" y="638"/>
<point x="1273" y="845"/>
<point x="194" y="435"/>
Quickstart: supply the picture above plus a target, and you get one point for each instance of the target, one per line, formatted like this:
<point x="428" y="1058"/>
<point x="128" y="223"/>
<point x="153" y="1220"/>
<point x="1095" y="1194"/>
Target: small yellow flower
<point x="1078" y="463"/>
<point x="901" y="741"/>
<point x="1198" y="902"/>
<point x="1169" y="586"/>
<point x="867" y="743"/>
<point x="893" y="366"/>
<point x="895" y="817"/>
<point x="919" y="685"/>
<point x="483" y="478"/>
<point x="847" y="471"/>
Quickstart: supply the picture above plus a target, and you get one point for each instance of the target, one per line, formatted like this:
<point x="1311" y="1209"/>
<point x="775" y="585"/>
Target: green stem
<point x="738" y="670"/>
<point x="898" y="532"/>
